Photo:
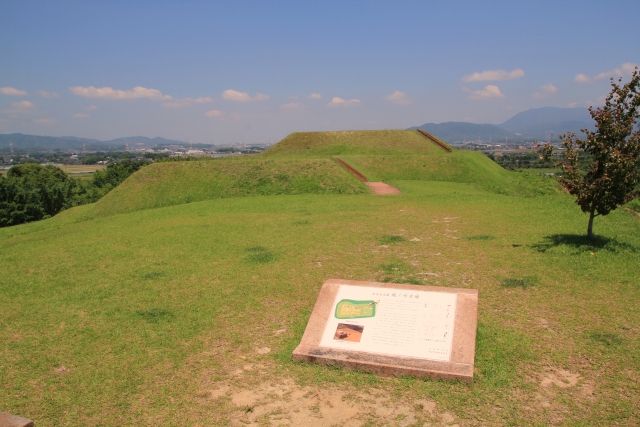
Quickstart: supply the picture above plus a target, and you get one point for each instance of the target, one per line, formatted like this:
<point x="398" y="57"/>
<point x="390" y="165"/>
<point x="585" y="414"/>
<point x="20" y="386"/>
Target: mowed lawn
<point x="138" y="318"/>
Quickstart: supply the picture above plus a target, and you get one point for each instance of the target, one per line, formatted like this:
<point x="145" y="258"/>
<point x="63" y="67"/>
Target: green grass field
<point x="187" y="314"/>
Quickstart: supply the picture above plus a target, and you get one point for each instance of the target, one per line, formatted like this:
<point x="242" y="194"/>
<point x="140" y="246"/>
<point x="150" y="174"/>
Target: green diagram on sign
<point x="351" y="309"/>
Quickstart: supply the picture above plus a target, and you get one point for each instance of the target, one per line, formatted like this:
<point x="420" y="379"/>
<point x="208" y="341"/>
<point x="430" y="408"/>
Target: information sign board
<point x="393" y="328"/>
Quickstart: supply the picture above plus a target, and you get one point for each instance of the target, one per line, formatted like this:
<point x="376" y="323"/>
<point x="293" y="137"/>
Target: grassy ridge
<point x="99" y="327"/>
<point x="166" y="184"/>
<point x="361" y="142"/>
<point x="459" y="166"/>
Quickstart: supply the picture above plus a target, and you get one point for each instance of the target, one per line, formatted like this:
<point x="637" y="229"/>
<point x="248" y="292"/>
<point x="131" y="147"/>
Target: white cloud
<point x="582" y="78"/>
<point x="80" y="116"/>
<point x="494" y="75"/>
<point x="572" y="105"/>
<point x="214" y="113"/>
<point x="339" y="102"/>
<point x="91" y="108"/>
<point x="314" y="96"/>
<point x="292" y="106"/>
<point x="11" y="91"/>
<point x="399" y="98"/>
<point x="45" y="94"/>
<point x="20" y="107"/>
<point x="625" y="69"/>
<point x="23" y="105"/>
<point x="46" y="122"/>
<point x="106" y="92"/>
<point x="545" y="91"/>
<point x="489" y="91"/>
<point x="186" y="102"/>
<point x="234" y="95"/>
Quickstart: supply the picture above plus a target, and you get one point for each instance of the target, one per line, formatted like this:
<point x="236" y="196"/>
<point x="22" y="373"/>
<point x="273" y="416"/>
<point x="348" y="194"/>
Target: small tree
<point x="613" y="175"/>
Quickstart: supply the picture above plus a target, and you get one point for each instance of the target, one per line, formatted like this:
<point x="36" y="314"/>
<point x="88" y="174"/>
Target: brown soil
<point x="435" y="140"/>
<point x="381" y="188"/>
<point x="284" y="403"/>
<point x="351" y="170"/>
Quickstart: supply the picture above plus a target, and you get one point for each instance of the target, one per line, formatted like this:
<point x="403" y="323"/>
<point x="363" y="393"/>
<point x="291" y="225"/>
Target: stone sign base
<point x="9" y="420"/>
<point x="393" y="329"/>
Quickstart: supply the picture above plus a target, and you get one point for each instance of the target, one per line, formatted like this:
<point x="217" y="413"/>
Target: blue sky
<point x="227" y="72"/>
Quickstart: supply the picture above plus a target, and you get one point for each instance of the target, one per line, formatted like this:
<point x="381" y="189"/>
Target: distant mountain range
<point x="537" y="123"/>
<point x="33" y="142"/>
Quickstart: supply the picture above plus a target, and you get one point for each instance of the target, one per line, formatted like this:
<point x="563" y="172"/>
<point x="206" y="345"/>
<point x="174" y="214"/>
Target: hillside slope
<point x="460" y="166"/>
<point x="166" y="184"/>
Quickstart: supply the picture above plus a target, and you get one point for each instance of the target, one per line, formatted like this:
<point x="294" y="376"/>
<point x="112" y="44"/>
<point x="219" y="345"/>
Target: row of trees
<point x="519" y="160"/>
<point x="94" y="158"/>
<point x="31" y="192"/>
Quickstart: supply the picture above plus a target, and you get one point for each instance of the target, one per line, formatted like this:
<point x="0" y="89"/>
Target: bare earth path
<point x="376" y="187"/>
<point x="382" y="188"/>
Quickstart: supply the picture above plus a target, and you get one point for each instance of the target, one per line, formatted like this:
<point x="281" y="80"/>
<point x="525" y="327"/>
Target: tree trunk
<point x="590" y="228"/>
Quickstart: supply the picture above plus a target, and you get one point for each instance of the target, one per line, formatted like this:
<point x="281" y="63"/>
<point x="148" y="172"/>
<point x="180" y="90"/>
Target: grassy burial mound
<point x="301" y="163"/>
<point x="173" y="183"/>
<point x="361" y="142"/>
<point x="392" y="155"/>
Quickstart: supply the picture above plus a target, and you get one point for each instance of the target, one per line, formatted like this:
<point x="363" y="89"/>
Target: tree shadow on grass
<point x="523" y="282"/>
<point x="155" y="314"/>
<point x="581" y="243"/>
<point x="259" y="255"/>
<point x="606" y="338"/>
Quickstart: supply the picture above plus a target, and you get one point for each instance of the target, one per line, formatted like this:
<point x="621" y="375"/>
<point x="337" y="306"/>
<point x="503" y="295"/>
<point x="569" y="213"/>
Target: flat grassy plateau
<point x="187" y="314"/>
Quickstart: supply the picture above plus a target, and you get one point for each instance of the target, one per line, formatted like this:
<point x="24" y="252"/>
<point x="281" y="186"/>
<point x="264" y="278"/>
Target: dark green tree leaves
<point x="613" y="175"/>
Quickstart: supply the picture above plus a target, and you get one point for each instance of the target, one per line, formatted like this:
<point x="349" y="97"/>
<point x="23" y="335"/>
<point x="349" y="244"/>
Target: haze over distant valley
<point x="542" y="124"/>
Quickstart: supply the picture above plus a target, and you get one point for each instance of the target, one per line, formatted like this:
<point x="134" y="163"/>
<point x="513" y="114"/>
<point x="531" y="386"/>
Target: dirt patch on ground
<point x="553" y="384"/>
<point x="285" y="403"/>
<point x="559" y="378"/>
<point x="381" y="188"/>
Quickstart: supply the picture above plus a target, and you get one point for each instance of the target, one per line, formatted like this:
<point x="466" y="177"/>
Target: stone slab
<point x="393" y="329"/>
<point x="9" y="420"/>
